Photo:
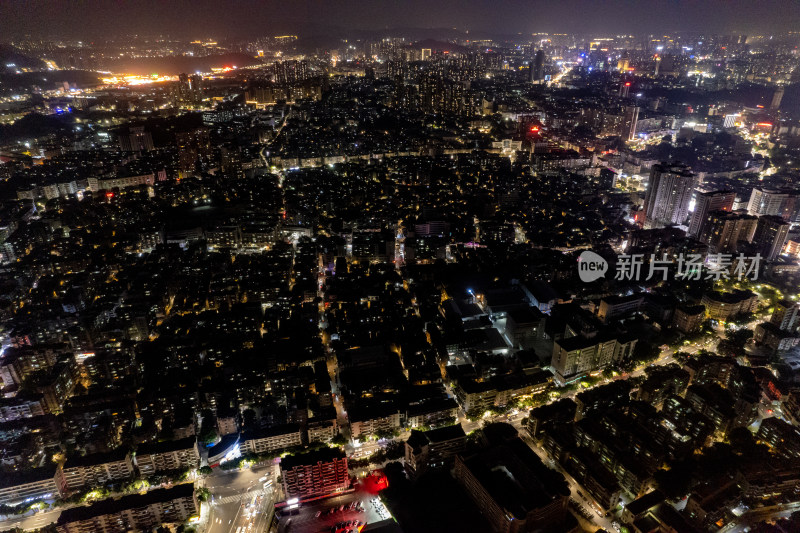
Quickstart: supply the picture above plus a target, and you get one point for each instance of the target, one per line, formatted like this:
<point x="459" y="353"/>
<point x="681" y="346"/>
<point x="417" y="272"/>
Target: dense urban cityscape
<point x="415" y="280"/>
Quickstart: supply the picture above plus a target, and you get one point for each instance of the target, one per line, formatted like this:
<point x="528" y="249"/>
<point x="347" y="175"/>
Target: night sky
<point x="92" y="19"/>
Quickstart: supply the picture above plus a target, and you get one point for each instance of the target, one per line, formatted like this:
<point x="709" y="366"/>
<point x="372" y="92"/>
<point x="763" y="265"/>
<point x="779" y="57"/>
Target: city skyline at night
<point x="344" y="267"/>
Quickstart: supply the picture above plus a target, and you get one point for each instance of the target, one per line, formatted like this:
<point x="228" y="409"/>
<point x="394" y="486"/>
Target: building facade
<point x="93" y="471"/>
<point x="668" y="195"/>
<point x="137" y="512"/>
<point x="273" y="439"/>
<point x="315" y="473"/>
<point x="171" y="455"/>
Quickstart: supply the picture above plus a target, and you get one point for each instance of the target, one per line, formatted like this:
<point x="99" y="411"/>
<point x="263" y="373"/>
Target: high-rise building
<point x="781" y="202"/>
<point x="629" y="122"/>
<point x="537" y="67"/>
<point x="284" y="72"/>
<point x="315" y="473"/>
<point x="765" y="201"/>
<point x="190" y="88"/>
<point x="136" y="140"/>
<point x="786" y="315"/>
<point x="770" y="236"/>
<point x="279" y="72"/>
<point x="777" y="96"/>
<point x="192" y="146"/>
<point x="706" y="202"/>
<point x="440" y="95"/>
<point x="724" y="230"/>
<point x="513" y="489"/>
<point x="668" y="195"/>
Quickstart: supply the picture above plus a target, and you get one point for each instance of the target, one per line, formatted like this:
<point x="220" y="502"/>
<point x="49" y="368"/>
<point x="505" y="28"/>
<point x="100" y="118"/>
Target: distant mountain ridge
<point x="11" y="56"/>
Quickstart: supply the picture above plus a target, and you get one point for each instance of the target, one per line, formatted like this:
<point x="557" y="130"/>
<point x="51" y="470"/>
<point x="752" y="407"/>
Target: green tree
<point x="395" y="450"/>
<point x="449" y="421"/>
<point x="474" y="414"/>
<point x="627" y="365"/>
<point x="378" y="457"/>
<point x="675" y="483"/>
<point x="499" y="410"/>
<point x="385" y="434"/>
<point x="208" y="435"/>
<point x="645" y="352"/>
<point x="203" y="494"/>
<point x="739" y="337"/>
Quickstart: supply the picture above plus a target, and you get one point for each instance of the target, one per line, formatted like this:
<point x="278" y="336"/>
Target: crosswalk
<point x="233" y="498"/>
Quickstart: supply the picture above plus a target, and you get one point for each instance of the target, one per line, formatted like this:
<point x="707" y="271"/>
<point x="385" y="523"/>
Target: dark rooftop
<point x="281" y="429"/>
<point x="96" y="458"/>
<point x="646" y="502"/>
<point x="446" y="433"/>
<point x="10" y="479"/>
<point x="323" y="455"/>
<point x="516" y="478"/>
<point x="165" y="446"/>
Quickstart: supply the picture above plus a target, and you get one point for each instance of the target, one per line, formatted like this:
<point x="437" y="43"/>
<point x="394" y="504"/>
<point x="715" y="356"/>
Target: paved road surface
<point x="239" y="499"/>
<point x="306" y="521"/>
<point x="31" y="522"/>
<point x="597" y="520"/>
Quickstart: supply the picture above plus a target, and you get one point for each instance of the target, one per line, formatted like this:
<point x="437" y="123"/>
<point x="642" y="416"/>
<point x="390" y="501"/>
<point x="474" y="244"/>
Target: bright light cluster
<point x="133" y="79"/>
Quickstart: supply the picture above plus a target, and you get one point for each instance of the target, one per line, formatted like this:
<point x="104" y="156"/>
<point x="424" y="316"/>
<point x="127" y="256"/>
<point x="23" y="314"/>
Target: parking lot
<point x="331" y="515"/>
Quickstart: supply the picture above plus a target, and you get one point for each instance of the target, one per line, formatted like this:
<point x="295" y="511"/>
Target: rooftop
<point x="134" y="501"/>
<point x="323" y="455"/>
<point x="516" y="478"/>
<point x="96" y="458"/>
<point x="165" y="446"/>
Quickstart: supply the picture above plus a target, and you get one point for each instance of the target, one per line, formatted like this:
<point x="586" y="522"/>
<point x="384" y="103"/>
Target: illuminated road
<point x="399" y="248"/>
<point x="664" y="358"/>
<point x="754" y="516"/>
<point x="331" y="362"/>
<point x="36" y="521"/>
<point x="557" y="78"/>
<point x="240" y="500"/>
<point x="576" y="494"/>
